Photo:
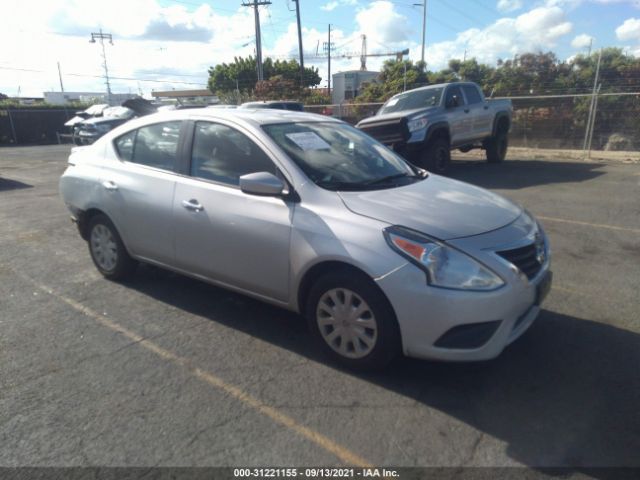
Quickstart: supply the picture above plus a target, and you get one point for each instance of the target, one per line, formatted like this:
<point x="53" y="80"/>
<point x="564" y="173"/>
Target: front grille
<point x="388" y="131"/>
<point x="525" y="258"/>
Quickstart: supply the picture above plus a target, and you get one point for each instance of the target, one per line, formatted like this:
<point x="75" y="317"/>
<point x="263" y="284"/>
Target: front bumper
<point x="425" y="314"/>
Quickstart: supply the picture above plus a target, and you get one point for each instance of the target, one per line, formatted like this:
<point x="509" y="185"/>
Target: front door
<point x="222" y="233"/>
<point x="457" y="115"/>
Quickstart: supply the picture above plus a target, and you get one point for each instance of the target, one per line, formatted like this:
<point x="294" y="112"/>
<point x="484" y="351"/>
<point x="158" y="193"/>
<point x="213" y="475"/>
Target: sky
<point x="170" y="44"/>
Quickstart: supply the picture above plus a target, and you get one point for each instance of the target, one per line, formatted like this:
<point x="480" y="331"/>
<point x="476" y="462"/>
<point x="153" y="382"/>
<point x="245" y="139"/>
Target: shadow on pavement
<point x="516" y="174"/>
<point x="566" y="394"/>
<point x="7" y="184"/>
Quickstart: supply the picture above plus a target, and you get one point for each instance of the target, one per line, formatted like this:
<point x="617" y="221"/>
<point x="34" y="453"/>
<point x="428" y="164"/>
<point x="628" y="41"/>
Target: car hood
<point x="437" y="206"/>
<point x="380" y="118"/>
<point x="103" y="120"/>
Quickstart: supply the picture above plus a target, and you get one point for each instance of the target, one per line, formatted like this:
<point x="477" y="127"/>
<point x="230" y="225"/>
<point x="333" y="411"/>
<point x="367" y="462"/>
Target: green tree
<point x="239" y="77"/>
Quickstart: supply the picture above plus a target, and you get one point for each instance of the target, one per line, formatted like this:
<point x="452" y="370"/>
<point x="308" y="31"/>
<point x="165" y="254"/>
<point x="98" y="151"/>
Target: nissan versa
<point x="311" y="214"/>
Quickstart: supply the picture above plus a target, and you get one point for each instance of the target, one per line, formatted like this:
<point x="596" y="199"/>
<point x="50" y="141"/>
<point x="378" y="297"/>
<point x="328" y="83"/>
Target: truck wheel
<point x="496" y="147"/>
<point x="436" y="156"/>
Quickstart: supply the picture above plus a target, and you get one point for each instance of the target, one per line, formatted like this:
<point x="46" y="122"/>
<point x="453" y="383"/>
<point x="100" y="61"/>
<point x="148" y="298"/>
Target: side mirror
<point x="262" y="183"/>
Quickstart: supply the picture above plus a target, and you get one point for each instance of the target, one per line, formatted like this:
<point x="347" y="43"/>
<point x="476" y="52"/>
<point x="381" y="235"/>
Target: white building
<point x="346" y="85"/>
<point x="62" y="98"/>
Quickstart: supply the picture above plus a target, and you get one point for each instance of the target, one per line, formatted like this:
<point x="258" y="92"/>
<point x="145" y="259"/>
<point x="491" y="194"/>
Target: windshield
<point x="336" y="156"/>
<point x="428" y="97"/>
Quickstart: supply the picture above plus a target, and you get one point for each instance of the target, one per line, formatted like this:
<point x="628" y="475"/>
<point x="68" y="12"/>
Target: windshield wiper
<point x="388" y="178"/>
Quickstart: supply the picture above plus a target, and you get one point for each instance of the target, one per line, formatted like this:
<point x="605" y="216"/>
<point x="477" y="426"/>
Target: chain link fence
<point x="544" y="121"/>
<point x="549" y="121"/>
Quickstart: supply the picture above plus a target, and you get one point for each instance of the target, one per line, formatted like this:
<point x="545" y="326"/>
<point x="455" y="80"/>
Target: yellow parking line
<point x="344" y="454"/>
<point x="588" y="224"/>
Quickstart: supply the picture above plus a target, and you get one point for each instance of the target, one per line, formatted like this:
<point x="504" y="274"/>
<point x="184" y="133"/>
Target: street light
<point x="102" y="37"/>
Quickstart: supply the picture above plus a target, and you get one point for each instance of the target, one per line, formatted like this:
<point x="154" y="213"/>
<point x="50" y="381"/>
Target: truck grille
<point x="387" y="132"/>
<point x="525" y="258"/>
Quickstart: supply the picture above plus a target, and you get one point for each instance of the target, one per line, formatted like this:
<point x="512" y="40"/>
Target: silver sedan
<point x="310" y="214"/>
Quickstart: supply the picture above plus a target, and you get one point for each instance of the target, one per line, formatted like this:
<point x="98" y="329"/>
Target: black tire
<point x="436" y="156"/>
<point x="387" y="343"/>
<point x="99" y="230"/>
<point x="496" y="147"/>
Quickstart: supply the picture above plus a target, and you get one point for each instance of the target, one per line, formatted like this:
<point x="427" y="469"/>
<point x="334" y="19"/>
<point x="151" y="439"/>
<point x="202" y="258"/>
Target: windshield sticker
<point x="308" y="141"/>
<point x="392" y="102"/>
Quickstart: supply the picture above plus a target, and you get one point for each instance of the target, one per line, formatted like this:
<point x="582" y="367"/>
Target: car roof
<point x="270" y="102"/>
<point x="251" y="116"/>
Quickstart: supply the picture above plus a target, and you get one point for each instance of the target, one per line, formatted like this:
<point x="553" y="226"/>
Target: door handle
<point x="192" y="205"/>
<point x="109" y="185"/>
<point x="466" y="110"/>
<point x="486" y="107"/>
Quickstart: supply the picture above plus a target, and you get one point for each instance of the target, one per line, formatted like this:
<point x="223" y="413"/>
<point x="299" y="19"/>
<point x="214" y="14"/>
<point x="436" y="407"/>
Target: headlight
<point x="445" y="266"/>
<point x="417" y="124"/>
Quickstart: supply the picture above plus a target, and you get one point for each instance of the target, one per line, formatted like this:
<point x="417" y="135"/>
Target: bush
<point x="618" y="142"/>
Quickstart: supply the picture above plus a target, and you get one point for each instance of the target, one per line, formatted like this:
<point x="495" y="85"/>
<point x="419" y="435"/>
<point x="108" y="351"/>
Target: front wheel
<point x="352" y="321"/>
<point x="107" y="250"/>
<point x="436" y="156"/>
<point x="496" y="147"/>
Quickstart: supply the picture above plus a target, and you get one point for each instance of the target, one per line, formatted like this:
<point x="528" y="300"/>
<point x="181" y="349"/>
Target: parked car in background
<point x="92" y="111"/>
<point x="277" y="104"/>
<point x="310" y="214"/>
<point x="88" y="131"/>
<point x="424" y="124"/>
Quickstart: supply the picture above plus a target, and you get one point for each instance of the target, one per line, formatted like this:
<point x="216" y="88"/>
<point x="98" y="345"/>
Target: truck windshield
<point x="428" y="97"/>
<point x="337" y="156"/>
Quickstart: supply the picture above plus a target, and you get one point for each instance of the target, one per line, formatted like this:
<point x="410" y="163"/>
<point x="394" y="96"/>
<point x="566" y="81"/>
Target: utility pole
<point x="329" y="61"/>
<point x="590" y="45"/>
<point x="102" y="37"/>
<point x="300" y="43"/>
<point x="60" y="77"/>
<point x="424" y="28"/>
<point x="590" y="118"/>
<point x="256" y="14"/>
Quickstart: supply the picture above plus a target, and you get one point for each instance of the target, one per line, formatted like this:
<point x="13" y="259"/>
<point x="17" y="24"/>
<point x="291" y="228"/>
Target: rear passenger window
<point x="124" y="145"/>
<point x="223" y="154"/>
<point x="157" y="145"/>
<point x="472" y="94"/>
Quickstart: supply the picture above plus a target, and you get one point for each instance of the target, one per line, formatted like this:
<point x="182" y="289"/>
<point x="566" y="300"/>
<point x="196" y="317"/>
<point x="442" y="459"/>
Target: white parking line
<point x="588" y="224"/>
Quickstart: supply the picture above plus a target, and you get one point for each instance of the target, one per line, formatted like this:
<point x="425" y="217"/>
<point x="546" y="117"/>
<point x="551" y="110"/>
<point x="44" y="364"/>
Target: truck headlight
<point x="445" y="266"/>
<point x="417" y="124"/>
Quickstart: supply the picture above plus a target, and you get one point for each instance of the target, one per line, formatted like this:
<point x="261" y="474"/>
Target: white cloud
<point x="382" y="24"/>
<point x="539" y="28"/>
<point x="581" y="41"/>
<point x="629" y="30"/>
<point x="509" y="5"/>
<point x="330" y="6"/>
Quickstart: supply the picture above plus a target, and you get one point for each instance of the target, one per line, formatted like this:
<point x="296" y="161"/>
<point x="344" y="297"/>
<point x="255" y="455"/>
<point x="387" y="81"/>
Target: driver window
<point x="223" y="154"/>
<point x="452" y="92"/>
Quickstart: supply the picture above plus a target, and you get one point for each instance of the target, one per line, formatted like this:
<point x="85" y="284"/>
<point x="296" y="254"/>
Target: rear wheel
<point x="496" y="147"/>
<point x="352" y="321"/>
<point x="436" y="156"/>
<point x="107" y="250"/>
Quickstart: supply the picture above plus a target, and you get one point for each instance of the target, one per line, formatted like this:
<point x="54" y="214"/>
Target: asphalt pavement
<point x="166" y="370"/>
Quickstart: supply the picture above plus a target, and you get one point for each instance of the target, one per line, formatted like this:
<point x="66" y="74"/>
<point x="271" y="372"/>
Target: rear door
<point x="138" y="189"/>
<point x="221" y="232"/>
